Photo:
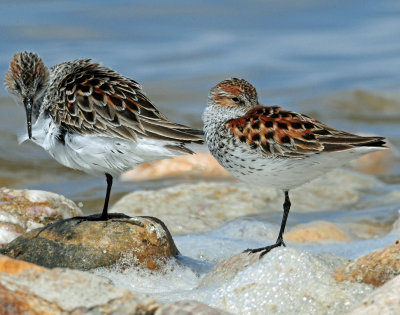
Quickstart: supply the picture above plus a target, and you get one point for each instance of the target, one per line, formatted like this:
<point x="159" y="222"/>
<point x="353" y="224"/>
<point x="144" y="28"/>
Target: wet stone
<point x="200" y="207"/>
<point x="29" y="289"/>
<point x="374" y="268"/>
<point x="316" y="231"/>
<point x="83" y="244"/>
<point x="24" y="210"/>
<point x="195" y="165"/>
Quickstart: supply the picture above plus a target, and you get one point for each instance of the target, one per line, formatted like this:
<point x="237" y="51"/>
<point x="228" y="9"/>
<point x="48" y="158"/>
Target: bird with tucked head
<point x="27" y="81"/>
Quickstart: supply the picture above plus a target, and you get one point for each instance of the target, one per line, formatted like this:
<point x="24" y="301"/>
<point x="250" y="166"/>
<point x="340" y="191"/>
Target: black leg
<point x="104" y="214"/>
<point x="279" y="241"/>
<point x="93" y="217"/>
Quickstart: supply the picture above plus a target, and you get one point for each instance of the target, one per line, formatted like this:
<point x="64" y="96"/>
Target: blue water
<point x="292" y="51"/>
<point x="301" y="47"/>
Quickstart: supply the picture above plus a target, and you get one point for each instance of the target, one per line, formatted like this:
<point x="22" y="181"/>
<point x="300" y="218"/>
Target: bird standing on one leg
<point x="267" y="145"/>
<point x="91" y="118"/>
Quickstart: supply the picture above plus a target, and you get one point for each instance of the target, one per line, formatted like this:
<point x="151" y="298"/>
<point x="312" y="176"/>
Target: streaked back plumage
<point x="84" y="105"/>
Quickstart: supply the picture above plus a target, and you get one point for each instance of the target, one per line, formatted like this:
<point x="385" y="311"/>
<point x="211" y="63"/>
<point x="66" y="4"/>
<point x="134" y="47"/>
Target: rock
<point x="24" y="210"/>
<point x="85" y="245"/>
<point x="375" y="268"/>
<point x="13" y="266"/>
<point x="188" y="307"/>
<point x="196" y="165"/>
<point x="9" y="231"/>
<point x="226" y="270"/>
<point x="318" y="231"/>
<point x="195" y="208"/>
<point x="36" y="290"/>
<point x="384" y="300"/>
<point x="285" y="281"/>
<point x="380" y="162"/>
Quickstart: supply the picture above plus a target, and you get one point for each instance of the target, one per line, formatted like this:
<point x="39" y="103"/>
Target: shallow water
<point x="305" y="55"/>
<point x="337" y="61"/>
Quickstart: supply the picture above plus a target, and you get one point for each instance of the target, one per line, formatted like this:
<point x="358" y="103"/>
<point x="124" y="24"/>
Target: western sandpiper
<point x="91" y="118"/>
<point x="270" y="146"/>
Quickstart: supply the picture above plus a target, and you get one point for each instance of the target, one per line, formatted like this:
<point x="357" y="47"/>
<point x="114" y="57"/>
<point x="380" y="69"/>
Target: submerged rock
<point x="82" y="244"/>
<point x="28" y="289"/>
<point x="374" y="268"/>
<point x="24" y="210"/>
<point x="316" y="232"/>
<point x="195" y="165"/>
<point x="195" y="208"/>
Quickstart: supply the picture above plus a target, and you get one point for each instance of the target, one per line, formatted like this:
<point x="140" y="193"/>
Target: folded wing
<point x="288" y="134"/>
<point x="97" y="100"/>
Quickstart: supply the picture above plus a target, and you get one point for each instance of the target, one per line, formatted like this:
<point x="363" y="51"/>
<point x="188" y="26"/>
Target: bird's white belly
<point x="95" y="154"/>
<point x="255" y="168"/>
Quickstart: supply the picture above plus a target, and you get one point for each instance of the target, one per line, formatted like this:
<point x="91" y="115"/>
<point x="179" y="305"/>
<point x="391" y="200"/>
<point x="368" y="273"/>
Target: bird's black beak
<point x="28" y="109"/>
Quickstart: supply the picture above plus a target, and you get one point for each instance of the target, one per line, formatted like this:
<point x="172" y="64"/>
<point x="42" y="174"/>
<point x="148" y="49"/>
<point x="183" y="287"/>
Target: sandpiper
<point x="90" y="118"/>
<point x="271" y="146"/>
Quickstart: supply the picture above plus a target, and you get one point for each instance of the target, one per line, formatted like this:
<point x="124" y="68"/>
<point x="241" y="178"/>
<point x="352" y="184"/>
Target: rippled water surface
<point x="338" y="61"/>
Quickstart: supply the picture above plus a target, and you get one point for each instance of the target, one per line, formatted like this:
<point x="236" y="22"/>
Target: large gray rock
<point x="196" y="208"/>
<point x="82" y="244"/>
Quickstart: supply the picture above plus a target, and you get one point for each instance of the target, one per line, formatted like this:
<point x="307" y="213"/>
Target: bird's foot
<point x="266" y="249"/>
<point x="80" y="219"/>
<point x="100" y="217"/>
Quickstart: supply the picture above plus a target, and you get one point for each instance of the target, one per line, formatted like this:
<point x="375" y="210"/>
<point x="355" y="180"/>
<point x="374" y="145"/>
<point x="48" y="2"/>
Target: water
<point x="337" y="61"/>
<point x="304" y="55"/>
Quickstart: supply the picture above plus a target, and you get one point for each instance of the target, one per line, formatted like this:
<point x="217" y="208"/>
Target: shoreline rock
<point x="200" y="207"/>
<point x="316" y="231"/>
<point x="82" y="244"/>
<point x="24" y="210"/>
<point x="375" y="268"/>
<point x="195" y="165"/>
<point x="26" y="288"/>
<point x="37" y="290"/>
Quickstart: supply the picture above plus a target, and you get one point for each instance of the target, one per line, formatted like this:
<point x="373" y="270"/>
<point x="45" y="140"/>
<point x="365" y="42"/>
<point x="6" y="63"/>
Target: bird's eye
<point x="235" y="99"/>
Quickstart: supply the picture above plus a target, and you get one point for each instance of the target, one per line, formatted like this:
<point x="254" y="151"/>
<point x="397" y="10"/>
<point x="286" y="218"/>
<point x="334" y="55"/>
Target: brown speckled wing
<point x="97" y="100"/>
<point x="288" y="134"/>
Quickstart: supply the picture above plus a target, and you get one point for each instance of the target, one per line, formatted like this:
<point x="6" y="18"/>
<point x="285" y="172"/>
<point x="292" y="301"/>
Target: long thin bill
<point x="28" y="109"/>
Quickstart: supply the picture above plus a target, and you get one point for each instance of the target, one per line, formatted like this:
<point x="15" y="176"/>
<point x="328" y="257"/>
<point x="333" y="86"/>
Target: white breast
<point x="95" y="154"/>
<point x="257" y="168"/>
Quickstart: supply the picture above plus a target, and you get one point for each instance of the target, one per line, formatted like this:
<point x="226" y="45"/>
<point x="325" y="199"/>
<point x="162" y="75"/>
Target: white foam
<point x="297" y="279"/>
<point x="175" y="276"/>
